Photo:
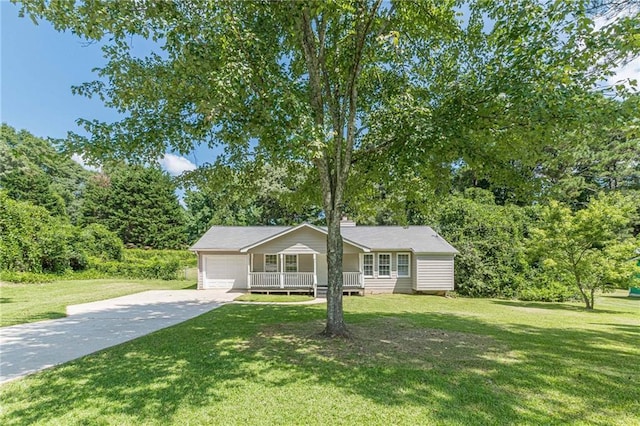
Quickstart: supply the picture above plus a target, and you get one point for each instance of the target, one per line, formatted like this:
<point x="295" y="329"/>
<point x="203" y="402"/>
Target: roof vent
<point x="345" y="222"/>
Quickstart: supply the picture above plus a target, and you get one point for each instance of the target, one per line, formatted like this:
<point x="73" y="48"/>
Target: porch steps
<point x="321" y="292"/>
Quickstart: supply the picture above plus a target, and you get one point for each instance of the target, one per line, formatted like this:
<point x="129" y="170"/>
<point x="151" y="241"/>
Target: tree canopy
<point x="137" y="203"/>
<point x="32" y="169"/>
<point x="590" y="248"/>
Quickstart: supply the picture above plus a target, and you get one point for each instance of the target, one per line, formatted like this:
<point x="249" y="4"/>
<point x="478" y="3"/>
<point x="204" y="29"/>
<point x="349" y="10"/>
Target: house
<point x="377" y="259"/>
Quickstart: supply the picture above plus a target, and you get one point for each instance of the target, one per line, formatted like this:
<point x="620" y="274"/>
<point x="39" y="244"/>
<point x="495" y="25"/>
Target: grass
<point x="278" y="298"/>
<point x="412" y="360"/>
<point x="21" y="303"/>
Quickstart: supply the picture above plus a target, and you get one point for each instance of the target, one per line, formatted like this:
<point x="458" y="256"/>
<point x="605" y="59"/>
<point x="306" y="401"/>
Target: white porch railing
<point x="281" y="279"/>
<point x="352" y="279"/>
<point x="264" y="279"/>
<point x="268" y="280"/>
<point x="298" y="279"/>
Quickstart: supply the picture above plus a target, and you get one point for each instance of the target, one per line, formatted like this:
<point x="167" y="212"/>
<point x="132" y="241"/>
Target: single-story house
<point x="377" y="259"/>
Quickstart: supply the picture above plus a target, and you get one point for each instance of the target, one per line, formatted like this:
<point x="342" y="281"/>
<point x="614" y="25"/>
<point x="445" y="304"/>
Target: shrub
<point x="183" y="257"/>
<point x="153" y="269"/>
<point x="31" y="240"/>
<point x="21" y="225"/>
<point x="551" y="292"/>
<point x="26" y="277"/>
<point x="490" y="239"/>
<point x="100" y="242"/>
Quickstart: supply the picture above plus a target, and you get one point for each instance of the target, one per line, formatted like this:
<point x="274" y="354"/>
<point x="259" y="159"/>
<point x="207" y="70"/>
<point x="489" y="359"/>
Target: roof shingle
<point x="419" y="239"/>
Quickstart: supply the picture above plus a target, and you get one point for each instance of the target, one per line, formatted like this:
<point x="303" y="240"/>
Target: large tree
<point x="256" y="195"/>
<point x="32" y="169"/>
<point x="399" y="85"/>
<point x="137" y="203"/>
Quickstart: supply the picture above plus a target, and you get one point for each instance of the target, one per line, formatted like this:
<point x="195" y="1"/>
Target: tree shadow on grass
<point x="8" y="320"/>
<point x="634" y="330"/>
<point x="245" y="361"/>
<point x="620" y="297"/>
<point x="553" y="306"/>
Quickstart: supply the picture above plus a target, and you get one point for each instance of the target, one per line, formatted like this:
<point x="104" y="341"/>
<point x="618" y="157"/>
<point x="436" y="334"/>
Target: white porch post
<point x="361" y="269"/>
<point x="315" y="271"/>
<point x="249" y="266"/>
<point x="281" y="270"/>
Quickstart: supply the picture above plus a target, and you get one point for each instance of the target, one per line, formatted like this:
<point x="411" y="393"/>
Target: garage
<point x="225" y="271"/>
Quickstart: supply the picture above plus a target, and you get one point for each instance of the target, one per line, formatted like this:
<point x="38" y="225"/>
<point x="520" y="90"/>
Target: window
<point x="271" y="263"/>
<point x="384" y="265"/>
<point x="367" y="265"/>
<point x="291" y="263"/>
<point x="403" y="264"/>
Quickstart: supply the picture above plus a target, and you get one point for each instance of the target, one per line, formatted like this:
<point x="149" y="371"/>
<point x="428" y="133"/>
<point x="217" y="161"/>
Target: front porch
<point x="299" y="273"/>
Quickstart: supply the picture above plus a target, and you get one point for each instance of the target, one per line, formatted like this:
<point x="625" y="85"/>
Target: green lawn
<point x="20" y="303"/>
<point x="412" y="360"/>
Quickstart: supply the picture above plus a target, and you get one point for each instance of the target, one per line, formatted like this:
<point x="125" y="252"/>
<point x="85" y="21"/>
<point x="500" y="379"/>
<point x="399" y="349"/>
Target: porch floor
<point x="287" y="291"/>
<point x="322" y="291"/>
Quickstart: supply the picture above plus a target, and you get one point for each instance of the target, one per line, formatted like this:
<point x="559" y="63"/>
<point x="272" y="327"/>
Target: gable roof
<point x="419" y="239"/>
<point x="295" y="228"/>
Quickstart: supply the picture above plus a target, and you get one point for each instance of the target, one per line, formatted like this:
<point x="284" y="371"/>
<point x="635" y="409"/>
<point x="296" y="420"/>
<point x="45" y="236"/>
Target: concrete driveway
<point x="90" y="327"/>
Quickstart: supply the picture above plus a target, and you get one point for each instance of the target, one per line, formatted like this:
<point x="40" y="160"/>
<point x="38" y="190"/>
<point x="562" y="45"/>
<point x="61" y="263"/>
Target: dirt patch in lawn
<point x="390" y="340"/>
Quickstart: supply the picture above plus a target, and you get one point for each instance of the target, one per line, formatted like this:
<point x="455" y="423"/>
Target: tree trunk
<point x="335" y="322"/>
<point x="588" y="302"/>
<point x="585" y="297"/>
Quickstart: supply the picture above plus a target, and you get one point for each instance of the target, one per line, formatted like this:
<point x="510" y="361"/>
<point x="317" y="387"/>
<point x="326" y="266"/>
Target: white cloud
<point x="78" y="158"/>
<point x="176" y="165"/>
<point x="629" y="71"/>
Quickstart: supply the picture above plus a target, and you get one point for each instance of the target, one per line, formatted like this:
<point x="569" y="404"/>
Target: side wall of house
<point x="434" y="272"/>
<point x="392" y="284"/>
<point x="200" y="274"/>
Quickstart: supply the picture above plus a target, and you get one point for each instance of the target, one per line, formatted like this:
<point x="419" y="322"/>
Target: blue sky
<point x="38" y="67"/>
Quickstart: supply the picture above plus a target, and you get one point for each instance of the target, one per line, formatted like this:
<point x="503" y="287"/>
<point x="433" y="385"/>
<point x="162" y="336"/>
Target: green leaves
<point x="137" y="203"/>
<point x="591" y="248"/>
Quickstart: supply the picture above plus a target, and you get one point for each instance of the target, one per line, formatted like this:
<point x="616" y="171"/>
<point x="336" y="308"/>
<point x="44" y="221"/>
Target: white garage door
<point x="225" y="271"/>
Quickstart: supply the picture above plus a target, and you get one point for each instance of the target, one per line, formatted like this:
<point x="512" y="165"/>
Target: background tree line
<point x="57" y="216"/>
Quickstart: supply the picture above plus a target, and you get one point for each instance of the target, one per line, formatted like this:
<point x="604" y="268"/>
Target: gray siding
<point x="393" y="283"/>
<point x="303" y="240"/>
<point x="305" y="263"/>
<point x="258" y="262"/>
<point x="434" y="272"/>
<point x="322" y="270"/>
<point x="347" y="260"/>
<point x="350" y="262"/>
<point x="388" y="285"/>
